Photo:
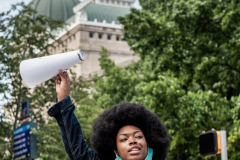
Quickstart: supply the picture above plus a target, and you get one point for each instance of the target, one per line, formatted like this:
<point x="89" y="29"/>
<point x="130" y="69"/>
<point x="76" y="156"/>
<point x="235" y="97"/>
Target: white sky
<point x="5" y="5"/>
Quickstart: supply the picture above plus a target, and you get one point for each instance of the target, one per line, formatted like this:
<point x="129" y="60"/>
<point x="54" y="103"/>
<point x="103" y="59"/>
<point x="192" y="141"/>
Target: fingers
<point x="65" y="74"/>
<point x="61" y="74"/>
<point x="67" y="77"/>
<point x="57" y="79"/>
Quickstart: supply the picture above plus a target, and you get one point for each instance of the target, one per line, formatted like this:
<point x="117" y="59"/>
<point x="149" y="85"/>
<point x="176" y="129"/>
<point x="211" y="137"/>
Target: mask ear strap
<point x="117" y="157"/>
<point x="115" y="153"/>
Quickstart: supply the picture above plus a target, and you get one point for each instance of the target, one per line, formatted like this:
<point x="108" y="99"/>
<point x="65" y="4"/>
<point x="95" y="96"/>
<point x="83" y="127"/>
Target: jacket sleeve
<point x="74" y="143"/>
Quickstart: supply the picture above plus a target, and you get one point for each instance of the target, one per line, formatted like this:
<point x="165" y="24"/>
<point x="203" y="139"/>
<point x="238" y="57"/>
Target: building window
<point x="123" y="3"/>
<point x="100" y="36"/>
<point x="91" y="35"/>
<point x="107" y="1"/>
<point x="117" y="38"/>
<point x="109" y="37"/>
<point x="101" y="0"/>
<point x="118" y="2"/>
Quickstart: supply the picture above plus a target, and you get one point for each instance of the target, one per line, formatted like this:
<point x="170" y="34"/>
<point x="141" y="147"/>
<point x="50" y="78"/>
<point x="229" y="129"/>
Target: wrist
<point x="61" y="97"/>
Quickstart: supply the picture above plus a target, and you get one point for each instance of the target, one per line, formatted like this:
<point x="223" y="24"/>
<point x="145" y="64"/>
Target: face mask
<point x="149" y="155"/>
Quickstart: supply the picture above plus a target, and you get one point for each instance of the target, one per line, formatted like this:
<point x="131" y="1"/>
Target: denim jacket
<point x="74" y="143"/>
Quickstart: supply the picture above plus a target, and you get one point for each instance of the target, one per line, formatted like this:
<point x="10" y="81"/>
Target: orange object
<point x="218" y="142"/>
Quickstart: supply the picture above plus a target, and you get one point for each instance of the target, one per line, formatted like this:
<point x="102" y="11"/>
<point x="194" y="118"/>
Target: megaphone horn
<point x="38" y="70"/>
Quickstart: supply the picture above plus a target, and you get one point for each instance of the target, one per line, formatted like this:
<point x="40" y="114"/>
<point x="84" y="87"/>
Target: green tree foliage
<point x="50" y="145"/>
<point x="234" y="134"/>
<point x="190" y="38"/>
<point x="87" y="112"/>
<point x="188" y="73"/>
<point x="23" y="35"/>
<point x="5" y="129"/>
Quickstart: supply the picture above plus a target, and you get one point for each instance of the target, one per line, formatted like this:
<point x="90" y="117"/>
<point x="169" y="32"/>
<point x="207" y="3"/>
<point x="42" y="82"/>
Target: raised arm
<point x="63" y="111"/>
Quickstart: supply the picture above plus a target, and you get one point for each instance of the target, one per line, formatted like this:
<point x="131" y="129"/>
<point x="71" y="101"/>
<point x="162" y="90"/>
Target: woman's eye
<point x="139" y="137"/>
<point x="122" y="140"/>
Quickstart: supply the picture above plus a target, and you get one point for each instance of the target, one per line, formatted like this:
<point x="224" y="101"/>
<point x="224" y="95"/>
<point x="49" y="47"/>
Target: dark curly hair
<point x="106" y="127"/>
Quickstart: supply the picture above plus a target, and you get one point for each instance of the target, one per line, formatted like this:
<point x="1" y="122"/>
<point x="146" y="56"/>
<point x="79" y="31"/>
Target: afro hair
<point x="106" y="127"/>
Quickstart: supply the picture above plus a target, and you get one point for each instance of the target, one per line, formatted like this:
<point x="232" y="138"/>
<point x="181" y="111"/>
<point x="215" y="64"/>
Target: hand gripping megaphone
<point x="38" y="70"/>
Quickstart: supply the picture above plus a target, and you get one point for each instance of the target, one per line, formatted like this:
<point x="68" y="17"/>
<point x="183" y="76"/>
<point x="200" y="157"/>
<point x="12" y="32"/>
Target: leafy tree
<point x="5" y="129"/>
<point x="23" y="36"/>
<point x="195" y="40"/>
<point x="234" y="133"/>
<point x="87" y="112"/>
<point x="26" y="36"/>
<point x="50" y="145"/>
<point x="184" y="113"/>
<point x="188" y="73"/>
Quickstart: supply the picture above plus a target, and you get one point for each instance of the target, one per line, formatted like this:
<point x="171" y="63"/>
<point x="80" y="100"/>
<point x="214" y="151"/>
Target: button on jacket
<point x="74" y="143"/>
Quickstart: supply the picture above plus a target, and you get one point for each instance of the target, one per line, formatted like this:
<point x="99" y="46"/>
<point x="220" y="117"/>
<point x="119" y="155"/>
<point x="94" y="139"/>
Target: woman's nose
<point x="132" y="141"/>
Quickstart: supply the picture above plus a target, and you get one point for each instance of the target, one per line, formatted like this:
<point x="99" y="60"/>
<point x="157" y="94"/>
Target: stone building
<point x="91" y="24"/>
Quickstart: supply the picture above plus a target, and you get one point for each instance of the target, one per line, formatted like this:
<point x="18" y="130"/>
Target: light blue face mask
<point x="149" y="155"/>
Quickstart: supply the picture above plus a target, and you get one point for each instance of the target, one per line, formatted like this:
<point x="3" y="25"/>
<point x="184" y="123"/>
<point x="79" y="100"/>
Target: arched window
<point x="91" y="35"/>
<point x="100" y="36"/>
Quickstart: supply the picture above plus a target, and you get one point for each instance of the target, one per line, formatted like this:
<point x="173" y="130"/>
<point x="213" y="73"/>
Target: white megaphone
<point x="38" y="70"/>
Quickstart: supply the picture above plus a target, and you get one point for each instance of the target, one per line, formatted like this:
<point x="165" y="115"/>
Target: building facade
<point x="91" y="24"/>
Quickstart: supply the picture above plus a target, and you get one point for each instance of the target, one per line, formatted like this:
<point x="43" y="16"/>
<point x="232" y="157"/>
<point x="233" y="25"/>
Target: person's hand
<point x="62" y="81"/>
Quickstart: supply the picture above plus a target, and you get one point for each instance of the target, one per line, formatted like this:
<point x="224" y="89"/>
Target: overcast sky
<point x="6" y="4"/>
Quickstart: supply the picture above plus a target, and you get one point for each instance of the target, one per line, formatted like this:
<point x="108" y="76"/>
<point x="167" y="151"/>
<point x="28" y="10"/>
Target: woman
<point x="126" y="131"/>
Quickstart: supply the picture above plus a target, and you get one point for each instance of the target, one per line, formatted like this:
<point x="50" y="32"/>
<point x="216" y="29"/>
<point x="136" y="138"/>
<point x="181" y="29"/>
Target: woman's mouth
<point x="134" y="150"/>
